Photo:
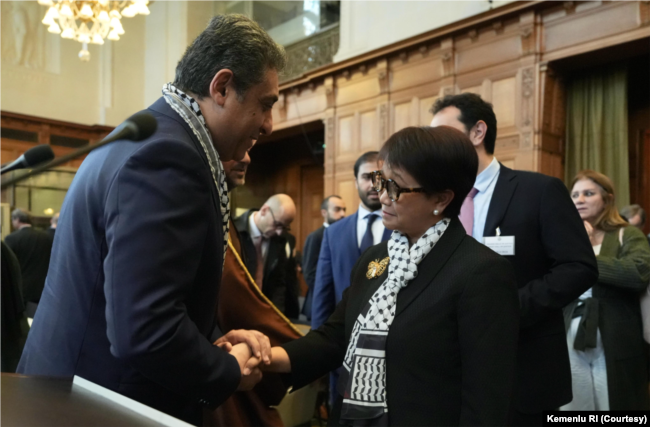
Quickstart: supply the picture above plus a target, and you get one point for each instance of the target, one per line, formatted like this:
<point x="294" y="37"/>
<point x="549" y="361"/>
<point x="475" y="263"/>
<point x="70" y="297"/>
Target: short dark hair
<point x="629" y="212"/>
<point x="22" y="215"/>
<point x="326" y="201"/>
<point x="472" y="109"/>
<point x="440" y="158"/>
<point x="367" y="157"/>
<point x="234" y="42"/>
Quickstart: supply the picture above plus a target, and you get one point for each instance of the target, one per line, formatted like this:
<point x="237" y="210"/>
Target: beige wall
<point x="369" y="25"/>
<point x="43" y="76"/>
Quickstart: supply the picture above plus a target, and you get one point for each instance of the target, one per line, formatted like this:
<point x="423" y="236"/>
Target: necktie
<point x="467" y="212"/>
<point x="367" y="239"/>
<point x="259" y="272"/>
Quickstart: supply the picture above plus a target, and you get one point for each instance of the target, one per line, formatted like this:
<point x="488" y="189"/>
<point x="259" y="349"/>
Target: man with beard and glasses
<point x="332" y="209"/>
<point x="242" y="306"/>
<point x="343" y="243"/>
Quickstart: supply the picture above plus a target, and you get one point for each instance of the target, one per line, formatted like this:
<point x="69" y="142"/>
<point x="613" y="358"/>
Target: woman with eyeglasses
<point x="427" y="331"/>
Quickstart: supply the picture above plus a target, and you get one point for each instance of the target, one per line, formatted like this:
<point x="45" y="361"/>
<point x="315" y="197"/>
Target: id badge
<point x="503" y="245"/>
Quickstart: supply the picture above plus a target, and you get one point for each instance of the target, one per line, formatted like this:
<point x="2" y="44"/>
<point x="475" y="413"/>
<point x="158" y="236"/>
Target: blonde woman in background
<point x="609" y="359"/>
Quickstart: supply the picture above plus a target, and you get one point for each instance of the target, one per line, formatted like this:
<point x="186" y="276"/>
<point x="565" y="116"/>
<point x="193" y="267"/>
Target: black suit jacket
<point x="309" y="266"/>
<point x="554" y="264"/>
<point x="137" y="261"/>
<point x="32" y="248"/>
<point x="451" y="347"/>
<point x="280" y="283"/>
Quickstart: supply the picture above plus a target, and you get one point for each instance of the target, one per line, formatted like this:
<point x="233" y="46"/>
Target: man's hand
<point x="248" y="365"/>
<point x="258" y="343"/>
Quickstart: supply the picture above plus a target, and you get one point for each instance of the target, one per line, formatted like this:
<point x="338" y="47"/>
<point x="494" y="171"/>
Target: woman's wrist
<point x="280" y="361"/>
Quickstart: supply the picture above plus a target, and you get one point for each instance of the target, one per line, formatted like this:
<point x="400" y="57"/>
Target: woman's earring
<point x="436" y="212"/>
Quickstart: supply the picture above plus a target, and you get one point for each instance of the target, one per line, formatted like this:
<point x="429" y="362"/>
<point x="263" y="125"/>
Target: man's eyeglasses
<point x="394" y="190"/>
<point x="277" y="224"/>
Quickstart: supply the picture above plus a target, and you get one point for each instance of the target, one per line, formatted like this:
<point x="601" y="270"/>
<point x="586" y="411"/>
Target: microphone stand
<point x="63" y="159"/>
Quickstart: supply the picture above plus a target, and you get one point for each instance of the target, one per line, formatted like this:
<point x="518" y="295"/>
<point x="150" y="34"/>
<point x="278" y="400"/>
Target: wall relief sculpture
<point x="23" y="36"/>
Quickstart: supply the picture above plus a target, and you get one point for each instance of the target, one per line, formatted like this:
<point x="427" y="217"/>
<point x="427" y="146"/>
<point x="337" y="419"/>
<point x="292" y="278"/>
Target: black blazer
<point x="32" y="248"/>
<point x="280" y="283"/>
<point x="309" y="266"/>
<point x="137" y="261"/>
<point x="554" y="264"/>
<point x="451" y="348"/>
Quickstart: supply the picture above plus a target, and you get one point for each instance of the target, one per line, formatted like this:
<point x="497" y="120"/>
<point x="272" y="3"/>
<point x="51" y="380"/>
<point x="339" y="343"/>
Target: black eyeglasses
<point x="394" y="190"/>
<point x="277" y="224"/>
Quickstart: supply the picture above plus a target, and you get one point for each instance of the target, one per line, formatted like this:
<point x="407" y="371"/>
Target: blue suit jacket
<point x="130" y="294"/>
<point x="338" y="254"/>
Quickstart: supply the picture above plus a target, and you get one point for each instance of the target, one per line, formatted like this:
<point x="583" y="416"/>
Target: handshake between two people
<point x="252" y="349"/>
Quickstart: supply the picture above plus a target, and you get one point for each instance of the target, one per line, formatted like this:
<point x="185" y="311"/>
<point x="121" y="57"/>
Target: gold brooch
<point x="376" y="268"/>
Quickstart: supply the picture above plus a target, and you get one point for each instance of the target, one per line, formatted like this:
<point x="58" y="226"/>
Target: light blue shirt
<point x="485" y="183"/>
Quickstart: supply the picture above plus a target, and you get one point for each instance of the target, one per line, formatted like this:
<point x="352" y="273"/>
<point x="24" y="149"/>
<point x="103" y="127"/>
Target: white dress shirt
<point x="485" y="183"/>
<point x="362" y="225"/>
<point x="255" y="234"/>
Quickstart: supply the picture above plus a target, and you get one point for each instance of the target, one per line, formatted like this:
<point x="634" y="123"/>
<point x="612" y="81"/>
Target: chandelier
<point x="90" y="21"/>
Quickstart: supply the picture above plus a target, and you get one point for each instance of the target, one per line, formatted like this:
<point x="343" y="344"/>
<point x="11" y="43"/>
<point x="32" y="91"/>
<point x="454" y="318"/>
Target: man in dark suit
<point x="343" y="243"/>
<point x="129" y="301"/>
<point x="553" y="259"/>
<point x="332" y="209"/>
<point x="32" y="248"/>
<point x="269" y="251"/>
<point x="242" y="305"/>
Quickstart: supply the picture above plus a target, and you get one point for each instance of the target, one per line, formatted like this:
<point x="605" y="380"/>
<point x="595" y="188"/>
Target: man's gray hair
<point x="23" y="216"/>
<point x="232" y="42"/>
<point x="629" y="212"/>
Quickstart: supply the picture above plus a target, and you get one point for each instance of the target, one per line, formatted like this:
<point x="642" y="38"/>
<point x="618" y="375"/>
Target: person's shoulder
<point x="375" y="252"/>
<point x="318" y="233"/>
<point x="630" y="231"/>
<point x="241" y="222"/>
<point x="480" y="254"/>
<point x="341" y="224"/>
<point x="533" y="178"/>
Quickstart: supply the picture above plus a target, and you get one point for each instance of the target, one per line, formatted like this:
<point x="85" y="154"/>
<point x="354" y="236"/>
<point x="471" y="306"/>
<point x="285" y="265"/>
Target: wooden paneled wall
<point x="505" y="55"/>
<point x="41" y="130"/>
<point x="44" y="130"/>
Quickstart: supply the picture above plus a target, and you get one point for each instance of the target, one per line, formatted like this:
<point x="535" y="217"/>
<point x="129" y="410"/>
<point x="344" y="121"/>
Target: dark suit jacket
<point x="14" y="323"/>
<point x="309" y="265"/>
<point x="280" y="283"/>
<point x="130" y="297"/>
<point x="554" y="264"/>
<point x="451" y="347"/>
<point x="339" y="251"/>
<point x="32" y="248"/>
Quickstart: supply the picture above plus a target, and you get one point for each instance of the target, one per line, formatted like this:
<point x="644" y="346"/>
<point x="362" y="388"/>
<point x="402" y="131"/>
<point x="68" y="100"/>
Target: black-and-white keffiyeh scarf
<point x="365" y="360"/>
<point x="189" y="110"/>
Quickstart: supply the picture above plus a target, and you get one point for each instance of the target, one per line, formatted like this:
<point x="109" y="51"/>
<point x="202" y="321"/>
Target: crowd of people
<point x="460" y="292"/>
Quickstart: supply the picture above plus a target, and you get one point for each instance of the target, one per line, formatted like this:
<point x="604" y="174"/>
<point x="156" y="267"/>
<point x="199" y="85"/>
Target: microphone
<point x="31" y="157"/>
<point x="136" y="128"/>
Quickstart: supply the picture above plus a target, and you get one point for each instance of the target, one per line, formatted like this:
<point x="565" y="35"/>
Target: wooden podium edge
<point x="139" y="408"/>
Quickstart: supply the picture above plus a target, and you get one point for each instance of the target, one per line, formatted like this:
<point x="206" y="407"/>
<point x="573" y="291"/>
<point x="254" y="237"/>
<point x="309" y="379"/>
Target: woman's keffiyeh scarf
<point x="364" y="397"/>
<point x="189" y="110"/>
